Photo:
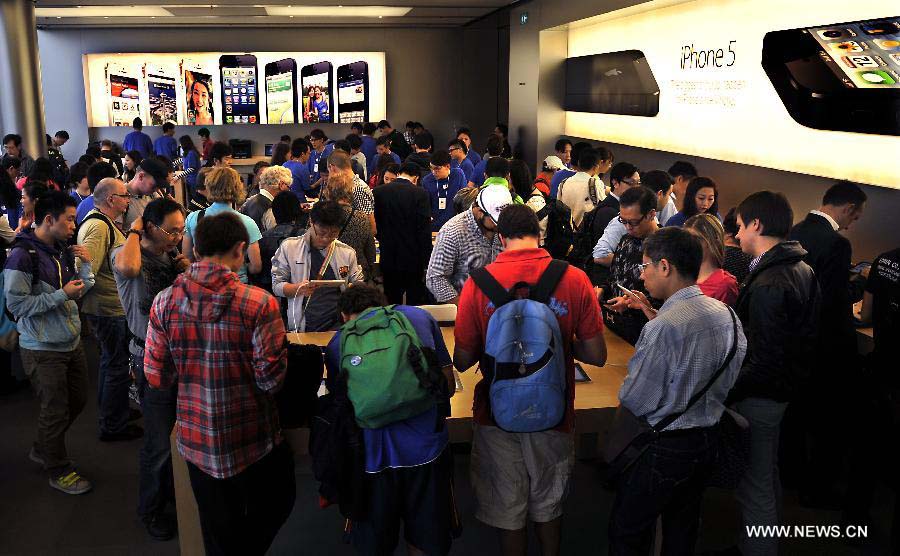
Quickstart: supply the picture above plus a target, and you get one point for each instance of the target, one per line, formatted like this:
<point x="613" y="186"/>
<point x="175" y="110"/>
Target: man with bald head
<point x="363" y="202"/>
<point x="99" y="233"/>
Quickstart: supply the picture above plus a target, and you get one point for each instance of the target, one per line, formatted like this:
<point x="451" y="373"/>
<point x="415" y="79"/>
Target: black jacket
<point x="828" y="253"/>
<point x="255" y="207"/>
<point x="422" y="160"/>
<point x="399" y="144"/>
<point x="403" y="220"/>
<point x="594" y="225"/>
<point x="779" y="307"/>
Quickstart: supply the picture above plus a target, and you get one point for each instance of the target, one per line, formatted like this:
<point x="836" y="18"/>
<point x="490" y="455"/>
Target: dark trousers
<point x="398" y="282"/>
<point x="156" y="485"/>
<point x="242" y="514"/>
<point x="667" y="480"/>
<point x="60" y="383"/>
<point x="113" y="379"/>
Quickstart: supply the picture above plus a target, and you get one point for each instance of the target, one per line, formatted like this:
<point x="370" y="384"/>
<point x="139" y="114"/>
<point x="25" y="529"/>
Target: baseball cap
<point x="492" y="199"/>
<point x="157" y="170"/>
<point x="553" y="163"/>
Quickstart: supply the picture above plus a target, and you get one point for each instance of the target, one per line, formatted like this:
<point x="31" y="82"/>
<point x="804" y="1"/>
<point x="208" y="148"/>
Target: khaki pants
<point x="60" y="382"/>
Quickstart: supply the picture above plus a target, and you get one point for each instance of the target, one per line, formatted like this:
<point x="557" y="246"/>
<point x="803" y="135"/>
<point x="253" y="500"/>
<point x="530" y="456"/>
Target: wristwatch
<point x="139" y="233"/>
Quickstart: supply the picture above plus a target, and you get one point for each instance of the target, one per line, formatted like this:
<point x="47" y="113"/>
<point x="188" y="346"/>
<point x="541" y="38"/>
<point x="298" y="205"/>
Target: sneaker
<point x="34" y="456"/>
<point x="160" y="526"/>
<point x="70" y="483"/>
<point x="130" y="432"/>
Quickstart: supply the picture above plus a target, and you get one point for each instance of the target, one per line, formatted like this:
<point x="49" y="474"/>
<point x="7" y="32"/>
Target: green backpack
<point x="382" y="357"/>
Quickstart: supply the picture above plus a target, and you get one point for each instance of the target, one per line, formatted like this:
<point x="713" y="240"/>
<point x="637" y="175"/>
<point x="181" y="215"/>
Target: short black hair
<point x="458" y="143"/>
<point x="657" y="181"/>
<point x="157" y="169"/>
<point x="261" y="165"/>
<point x="504" y="129"/>
<point x="99" y="171"/>
<point x="35" y="189"/>
<point x="494" y="146"/>
<point x="156" y="210"/>
<point x="520" y="178"/>
<point x="518" y="221"/>
<point x="441" y="157"/>
<point x="689" y="207"/>
<point x="496" y="167"/>
<point x="604" y="153"/>
<point x="588" y="159"/>
<point x="384" y="141"/>
<point x="424" y="140"/>
<point x="357" y="125"/>
<point x="410" y="124"/>
<point x="78" y="172"/>
<point x="683" y="169"/>
<point x="342" y="145"/>
<point x="299" y="146"/>
<point x="354" y="141"/>
<point x="369" y="128"/>
<point x="286" y="208"/>
<point x="14" y="137"/>
<point x="53" y="203"/>
<point x="844" y="193"/>
<point x="560" y="145"/>
<point x="682" y="248"/>
<point x="359" y="297"/>
<point x="641" y="196"/>
<point x="577" y="149"/>
<point x="773" y="211"/>
<point x="285" y="138"/>
<point x="621" y="171"/>
<point x="408" y="168"/>
<point x="384" y="124"/>
<point x="137" y="123"/>
<point x="318" y="134"/>
<point x="41" y="169"/>
<point x="86" y="159"/>
<point x="220" y="150"/>
<point x="218" y="234"/>
<point x="730" y="222"/>
<point x="203" y="132"/>
<point x="168" y="126"/>
<point x="63" y="134"/>
<point x="462" y="130"/>
<point x="328" y="213"/>
<point x="94" y="151"/>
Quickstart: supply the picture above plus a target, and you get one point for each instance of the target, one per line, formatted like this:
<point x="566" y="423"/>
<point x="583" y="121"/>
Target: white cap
<point x="553" y="163"/>
<point x="492" y="199"/>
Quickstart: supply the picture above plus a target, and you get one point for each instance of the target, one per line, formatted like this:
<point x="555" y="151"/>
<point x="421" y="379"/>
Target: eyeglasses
<point x="454" y="149"/>
<point x="174" y="233"/>
<point x="631" y="223"/>
<point x="643" y="266"/>
<point x="125" y="195"/>
<point x="630" y="181"/>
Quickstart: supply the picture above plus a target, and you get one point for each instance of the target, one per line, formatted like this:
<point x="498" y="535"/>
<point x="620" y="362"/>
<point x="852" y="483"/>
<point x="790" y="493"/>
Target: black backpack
<point x="560" y="235"/>
<point x="112" y="234"/>
<point x="59" y="169"/>
<point x="582" y="254"/>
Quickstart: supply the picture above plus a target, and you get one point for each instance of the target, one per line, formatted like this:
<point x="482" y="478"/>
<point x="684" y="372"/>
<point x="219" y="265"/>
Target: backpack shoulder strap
<point x="549" y="280"/>
<point x="109" y="224"/>
<point x="201" y="215"/>
<point x="490" y="286"/>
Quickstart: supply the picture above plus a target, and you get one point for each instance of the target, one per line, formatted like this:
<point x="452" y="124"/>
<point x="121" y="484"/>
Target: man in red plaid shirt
<point x="223" y="343"/>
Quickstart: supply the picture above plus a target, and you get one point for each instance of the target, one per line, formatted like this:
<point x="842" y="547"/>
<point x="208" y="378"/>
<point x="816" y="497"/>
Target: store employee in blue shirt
<point x="441" y="185"/>
<point x="494" y="148"/>
<point x="298" y="165"/>
<point x="137" y="140"/>
<point x="459" y="158"/>
<point x="166" y="145"/>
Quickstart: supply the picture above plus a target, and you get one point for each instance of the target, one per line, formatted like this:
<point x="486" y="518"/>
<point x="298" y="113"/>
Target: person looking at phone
<point x="397" y="143"/>
<point x="301" y="262"/>
<point x="137" y="140"/>
<point x="701" y="331"/>
<point x="637" y="212"/>
<point x="199" y="106"/>
<point x="145" y="265"/>
<point x="701" y="196"/>
<point x="622" y="177"/>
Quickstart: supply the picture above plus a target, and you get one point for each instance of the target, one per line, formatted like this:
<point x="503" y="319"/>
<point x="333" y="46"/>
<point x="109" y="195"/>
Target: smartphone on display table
<point x="197" y="85"/>
<point x="840" y="76"/>
<point x="240" y="96"/>
<point x="123" y="89"/>
<point x="353" y="92"/>
<point x="317" y="85"/>
<point x="161" y="93"/>
<point x="281" y="92"/>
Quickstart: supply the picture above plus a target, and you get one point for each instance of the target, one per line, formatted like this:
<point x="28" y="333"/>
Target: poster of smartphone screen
<point x="351" y="91"/>
<point x="280" y="99"/>
<point x="867" y="53"/>
<point x="725" y="107"/>
<point x="162" y="99"/>
<point x="199" y="98"/>
<point x="316" y="98"/>
<point x="240" y="88"/>
<point x="123" y="93"/>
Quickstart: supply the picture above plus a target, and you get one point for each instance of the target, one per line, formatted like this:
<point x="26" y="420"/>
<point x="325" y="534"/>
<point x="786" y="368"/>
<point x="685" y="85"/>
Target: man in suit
<point x="829" y="255"/>
<point x="403" y="221"/>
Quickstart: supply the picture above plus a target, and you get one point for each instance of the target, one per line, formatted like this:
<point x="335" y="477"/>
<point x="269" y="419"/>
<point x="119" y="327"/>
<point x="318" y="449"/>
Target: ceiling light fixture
<point x="102" y="11"/>
<point x="357" y="11"/>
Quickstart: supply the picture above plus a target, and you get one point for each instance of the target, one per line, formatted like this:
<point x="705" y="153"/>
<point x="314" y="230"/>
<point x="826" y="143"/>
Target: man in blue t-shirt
<point x="318" y="140"/>
<point x="459" y="158"/>
<point x="442" y="184"/>
<point x="408" y="463"/>
<point x="383" y="146"/>
<point x="368" y="146"/>
<point x="137" y="140"/>
<point x="298" y="165"/>
<point x="166" y="145"/>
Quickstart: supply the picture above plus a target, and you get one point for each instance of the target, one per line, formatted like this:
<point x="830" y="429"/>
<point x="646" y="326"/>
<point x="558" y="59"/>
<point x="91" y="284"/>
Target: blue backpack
<point x="523" y="354"/>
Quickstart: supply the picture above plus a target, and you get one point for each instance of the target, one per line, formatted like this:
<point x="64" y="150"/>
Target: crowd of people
<point x="190" y="300"/>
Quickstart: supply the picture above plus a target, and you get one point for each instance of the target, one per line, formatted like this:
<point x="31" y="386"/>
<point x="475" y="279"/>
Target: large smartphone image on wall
<point x="123" y="94"/>
<point x="198" y="92"/>
<point x="281" y="92"/>
<point x="611" y="83"/>
<point x="240" y="98"/>
<point x="161" y="94"/>
<point x="353" y="92"/>
<point x="316" y="87"/>
<point x="840" y="76"/>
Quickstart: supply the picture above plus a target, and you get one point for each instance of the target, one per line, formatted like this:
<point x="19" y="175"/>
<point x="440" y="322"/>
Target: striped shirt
<point x="676" y="355"/>
<point x="460" y="247"/>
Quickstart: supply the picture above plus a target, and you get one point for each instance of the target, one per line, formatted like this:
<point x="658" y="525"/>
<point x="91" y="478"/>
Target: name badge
<point x="442" y="203"/>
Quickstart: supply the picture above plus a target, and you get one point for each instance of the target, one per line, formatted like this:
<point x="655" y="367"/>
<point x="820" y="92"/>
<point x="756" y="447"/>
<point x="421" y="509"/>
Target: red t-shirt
<point x="574" y="303"/>
<point x="721" y="285"/>
<point x="542" y="185"/>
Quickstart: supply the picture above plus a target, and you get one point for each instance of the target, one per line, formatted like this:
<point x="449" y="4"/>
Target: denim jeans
<point x="667" y="480"/>
<point x="113" y="379"/>
<point x="155" y="486"/>
<point x="759" y="492"/>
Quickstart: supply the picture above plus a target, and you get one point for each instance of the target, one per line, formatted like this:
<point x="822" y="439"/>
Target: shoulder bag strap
<point x="490" y="287"/>
<point x="548" y="281"/>
<point x="669" y="419"/>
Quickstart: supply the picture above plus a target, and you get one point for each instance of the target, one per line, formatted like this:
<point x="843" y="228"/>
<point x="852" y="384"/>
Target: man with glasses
<point x="442" y="184"/>
<point x="145" y="265"/>
<point x="467" y="241"/>
<point x="459" y="158"/>
<point x="12" y="147"/>
<point x="301" y="264"/>
<point x="637" y="213"/>
<point x="150" y="178"/>
<point x="622" y="177"/>
<point x="99" y="233"/>
<point x="317" y="139"/>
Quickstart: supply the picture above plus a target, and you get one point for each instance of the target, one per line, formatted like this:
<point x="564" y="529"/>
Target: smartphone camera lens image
<point x="832" y="34"/>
